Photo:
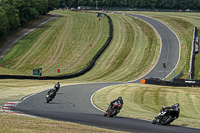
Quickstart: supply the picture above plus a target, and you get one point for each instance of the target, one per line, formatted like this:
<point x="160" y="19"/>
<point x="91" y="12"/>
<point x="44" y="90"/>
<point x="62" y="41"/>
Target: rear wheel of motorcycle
<point x="168" y="120"/>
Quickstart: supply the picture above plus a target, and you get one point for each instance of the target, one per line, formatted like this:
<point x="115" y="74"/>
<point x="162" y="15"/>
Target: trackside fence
<point x="177" y="76"/>
<point x="176" y="82"/>
<point x="73" y="75"/>
<point x="194" y="50"/>
<point x="137" y="9"/>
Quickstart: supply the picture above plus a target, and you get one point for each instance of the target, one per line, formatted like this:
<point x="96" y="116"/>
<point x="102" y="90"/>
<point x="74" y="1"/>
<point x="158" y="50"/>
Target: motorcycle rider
<point x="174" y="107"/>
<point x="57" y="86"/>
<point x="118" y="100"/>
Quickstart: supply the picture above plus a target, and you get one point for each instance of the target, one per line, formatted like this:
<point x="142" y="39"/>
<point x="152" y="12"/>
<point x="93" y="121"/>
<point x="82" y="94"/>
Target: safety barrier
<point x="176" y="82"/>
<point x="137" y="9"/>
<point x="73" y="75"/>
<point x="177" y="76"/>
<point x="193" y="52"/>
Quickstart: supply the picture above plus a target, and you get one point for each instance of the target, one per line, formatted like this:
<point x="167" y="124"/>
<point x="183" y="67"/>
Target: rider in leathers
<point x="57" y="86"/>
<point x="118" y="100"/>
<point x="174" y="107"/>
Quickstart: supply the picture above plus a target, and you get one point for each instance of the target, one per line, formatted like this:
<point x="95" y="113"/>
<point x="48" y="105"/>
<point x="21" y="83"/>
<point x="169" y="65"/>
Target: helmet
<point x="119" y="98"/>
<point x="177" y="105"/>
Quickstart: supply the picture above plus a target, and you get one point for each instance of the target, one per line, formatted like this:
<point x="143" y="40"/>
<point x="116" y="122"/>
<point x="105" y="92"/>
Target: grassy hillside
<point x="145" y="101"/>
<point x="60" y="44"/>
<point x="64" y="44"/>
<point x="132" y="53"/>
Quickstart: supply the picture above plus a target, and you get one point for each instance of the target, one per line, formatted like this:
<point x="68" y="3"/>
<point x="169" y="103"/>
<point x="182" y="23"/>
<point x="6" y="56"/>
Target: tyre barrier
<point x="73" y="75"/>
<point x="176" y="82"/>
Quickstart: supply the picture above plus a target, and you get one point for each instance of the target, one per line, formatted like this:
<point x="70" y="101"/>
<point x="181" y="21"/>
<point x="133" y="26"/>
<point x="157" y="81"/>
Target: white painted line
<point x="9" y="105"/>
<point x="7" y="108"/>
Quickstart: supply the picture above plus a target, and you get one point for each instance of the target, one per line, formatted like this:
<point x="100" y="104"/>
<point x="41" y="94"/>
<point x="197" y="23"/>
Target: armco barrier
<point x="176" y="82"/>
<point x="192" y="57"/>
<point x="177" y="76"/>
<point x="73" y="75"/>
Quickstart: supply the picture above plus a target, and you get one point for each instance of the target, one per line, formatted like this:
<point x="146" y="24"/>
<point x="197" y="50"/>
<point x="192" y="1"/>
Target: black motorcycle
<point x="114" y="110"/>
<point x="50" y="95"/>
<point x="166" y="116"/>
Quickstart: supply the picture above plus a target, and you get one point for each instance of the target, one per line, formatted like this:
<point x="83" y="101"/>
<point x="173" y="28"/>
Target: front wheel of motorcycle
<point x="154" y="121"/>
<point x="168" y="120"/>
<point x="113" y="112"/>
<point x="105" y="114"/>
<point x="48" y="100"/>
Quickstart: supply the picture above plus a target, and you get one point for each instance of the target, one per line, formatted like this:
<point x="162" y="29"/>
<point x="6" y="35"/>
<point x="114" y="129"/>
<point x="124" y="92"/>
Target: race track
<point x="72" y="103"/>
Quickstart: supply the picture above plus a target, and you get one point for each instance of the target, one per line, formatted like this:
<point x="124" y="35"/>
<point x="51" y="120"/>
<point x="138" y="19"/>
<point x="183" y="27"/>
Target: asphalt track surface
<point x="73" y="103"/>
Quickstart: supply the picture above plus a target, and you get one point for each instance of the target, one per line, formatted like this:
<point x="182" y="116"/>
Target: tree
<point x="4" y="25"/>
<point x="12" y="14"/>
<point x="41" y="6"/>
<point x="52" y="4"/>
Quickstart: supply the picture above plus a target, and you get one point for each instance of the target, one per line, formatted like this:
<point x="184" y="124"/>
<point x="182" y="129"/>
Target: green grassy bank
<point x="133" y="51"/>
<point x="63" y="43"/>
<point x="21" y="124"/>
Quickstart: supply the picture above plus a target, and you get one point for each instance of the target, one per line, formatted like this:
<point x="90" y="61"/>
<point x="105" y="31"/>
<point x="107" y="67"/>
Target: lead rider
<point x="174" y="107"/>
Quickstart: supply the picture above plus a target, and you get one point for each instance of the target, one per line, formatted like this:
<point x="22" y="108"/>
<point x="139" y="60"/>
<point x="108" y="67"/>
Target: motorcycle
<point x="114" y="110"/>
<point x="50" y="96"/>
<point x="166" y="116"/>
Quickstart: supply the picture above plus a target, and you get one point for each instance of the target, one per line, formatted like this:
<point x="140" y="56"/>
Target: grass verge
<point x="21" y="124"/>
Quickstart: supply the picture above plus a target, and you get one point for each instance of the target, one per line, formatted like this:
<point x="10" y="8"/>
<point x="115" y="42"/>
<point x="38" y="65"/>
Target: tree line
<point x="14" y="13"/>
<point x="154" y="4"/>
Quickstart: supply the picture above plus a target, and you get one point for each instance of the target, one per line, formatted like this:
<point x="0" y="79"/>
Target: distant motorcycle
<point x="166" y="116"/>
<point x="50" y="95"/>
<point x="114" y="110"/>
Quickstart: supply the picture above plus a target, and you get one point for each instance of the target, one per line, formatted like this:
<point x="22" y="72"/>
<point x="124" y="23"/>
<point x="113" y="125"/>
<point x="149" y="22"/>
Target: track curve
<point x="72" y="102"/>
